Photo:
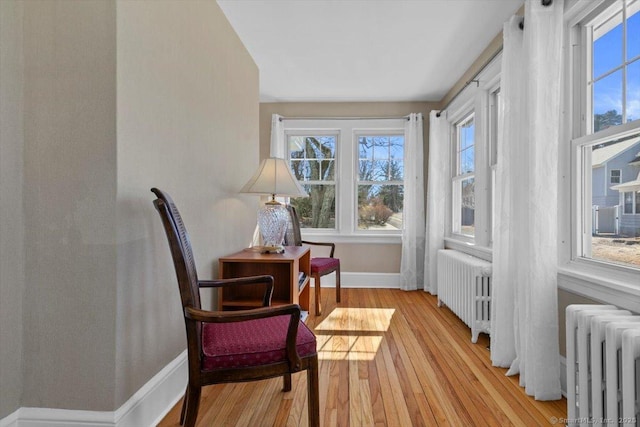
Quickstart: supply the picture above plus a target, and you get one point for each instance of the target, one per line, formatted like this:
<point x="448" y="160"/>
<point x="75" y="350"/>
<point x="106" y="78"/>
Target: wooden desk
<point x="285" y="268"/>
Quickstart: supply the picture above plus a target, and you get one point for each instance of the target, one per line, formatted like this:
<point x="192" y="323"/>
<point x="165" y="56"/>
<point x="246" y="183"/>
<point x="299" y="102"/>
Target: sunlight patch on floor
<point x="352" y="333"/>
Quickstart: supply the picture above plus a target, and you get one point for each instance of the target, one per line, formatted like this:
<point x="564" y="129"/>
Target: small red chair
<point x="238" y="346"/>
<point x="320" y="266"/>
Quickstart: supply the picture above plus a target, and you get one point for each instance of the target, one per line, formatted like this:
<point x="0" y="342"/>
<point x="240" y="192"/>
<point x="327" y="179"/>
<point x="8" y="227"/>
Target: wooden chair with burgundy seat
<point x="238" y="346"/>
<point x="320" y="266"/>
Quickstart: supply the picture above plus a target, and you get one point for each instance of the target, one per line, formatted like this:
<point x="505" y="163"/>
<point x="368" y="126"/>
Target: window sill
<point x="373" y="239"/>
<point x="610" y="284"/>
<point x="469" y="248"/>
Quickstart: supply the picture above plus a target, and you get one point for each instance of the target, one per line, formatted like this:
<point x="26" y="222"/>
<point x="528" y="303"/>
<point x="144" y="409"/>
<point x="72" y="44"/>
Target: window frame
<point x="357" y="133"/>
<point x="460" y="177"/>
<point x="618" y="177"/>
<point x="346" y="175"/>
<point x="476" y="98"/>
<point x="602" y="15"/>
<point x="592" y="278"/>
<point x="319" y="132"/>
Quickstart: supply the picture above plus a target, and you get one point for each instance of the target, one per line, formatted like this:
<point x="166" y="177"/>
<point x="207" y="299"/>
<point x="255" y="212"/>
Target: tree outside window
<point x="380" y="186"/>
<point x="313" y="162"/>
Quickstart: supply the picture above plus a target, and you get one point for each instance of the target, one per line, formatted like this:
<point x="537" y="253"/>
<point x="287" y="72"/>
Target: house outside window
<point x="353" y="171"/>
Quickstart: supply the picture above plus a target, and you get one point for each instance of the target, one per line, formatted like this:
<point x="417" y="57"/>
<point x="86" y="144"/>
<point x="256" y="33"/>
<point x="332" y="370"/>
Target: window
<point x="473" y="118"/>
<point x="628" y="202"/>
<point x="614" y="74"/>
<point x="464" y="179"/>
<point x="614" y="176"/>
<point x="312" y="157"/>
<point x="607" y="139"/>
<point x="353" y="171"/>
<point x="380" y="186"/>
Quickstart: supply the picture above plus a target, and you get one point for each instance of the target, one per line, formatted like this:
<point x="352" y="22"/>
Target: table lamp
<point x="273" y="177"/>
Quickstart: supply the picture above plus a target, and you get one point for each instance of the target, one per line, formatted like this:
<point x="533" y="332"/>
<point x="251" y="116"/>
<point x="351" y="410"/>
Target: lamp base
<point x="272" y="221"/>
<point x="270" y="249"/>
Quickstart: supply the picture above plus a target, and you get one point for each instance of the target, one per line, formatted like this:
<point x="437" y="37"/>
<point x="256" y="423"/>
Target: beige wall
<point x="12" y="253"/>
<point x="118" y="97"/>
<point x="69" y="197"/>
<point x="188" y="124"/>
<point x="353" y="257"/>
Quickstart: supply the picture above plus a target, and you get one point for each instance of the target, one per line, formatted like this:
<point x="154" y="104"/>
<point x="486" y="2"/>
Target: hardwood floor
<point x="387" y="358"/>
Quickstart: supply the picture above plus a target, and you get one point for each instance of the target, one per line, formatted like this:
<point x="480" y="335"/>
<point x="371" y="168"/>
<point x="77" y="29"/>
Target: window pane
<point x="381" y="147"/>
<point x="319" y="147"/>
<point x="633" y="35"/>
<point x="615" y="176"/>
<point x="637" y="204"/>
<point x="365" y="147"/>
<point x="466" y="134"/>
<point x="467" y="160"/>
<point x="633" y="91"/>
<point x="614" y="229"/>
<point x="607" y="101"/>
<point x="628" y="203"/>
<point x="607" y="46"/>
<point x="466" y="141"/>
<point x="396" y="151"/>
<point x="296" y="147"/>
<point x="300" y="169"/>
<point x="467" y="207"/>
<point x="380" y="207"/>
<point x="319" y="209"/>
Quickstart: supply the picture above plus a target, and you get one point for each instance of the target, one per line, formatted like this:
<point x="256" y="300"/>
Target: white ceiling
<point x="364" y="50"/>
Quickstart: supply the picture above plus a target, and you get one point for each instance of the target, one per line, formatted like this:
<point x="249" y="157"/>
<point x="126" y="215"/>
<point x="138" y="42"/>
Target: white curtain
<point x="412" y="260"/>
<point x="524" y="334"/>
<point x="438" y="183"/>
<point x="278" y="146"/>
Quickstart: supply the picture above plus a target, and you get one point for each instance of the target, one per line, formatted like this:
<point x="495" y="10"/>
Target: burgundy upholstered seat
<point x="320" y="266"/>
<point x="251" y="343"/>
<point x="324" y="266"/>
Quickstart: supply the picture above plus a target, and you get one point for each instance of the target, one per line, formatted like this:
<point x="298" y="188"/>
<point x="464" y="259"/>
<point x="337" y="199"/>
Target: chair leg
<point x="338" y="284"/>
<point x="313" y="394"/>
<point x="193" y="403"/>
<point x="316" y="284"/>
<point x="286" y="382"/>
<point x="184" y="406"/>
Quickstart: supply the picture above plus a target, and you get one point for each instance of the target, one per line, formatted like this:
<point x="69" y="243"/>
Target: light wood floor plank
<point x="386" y="358"/>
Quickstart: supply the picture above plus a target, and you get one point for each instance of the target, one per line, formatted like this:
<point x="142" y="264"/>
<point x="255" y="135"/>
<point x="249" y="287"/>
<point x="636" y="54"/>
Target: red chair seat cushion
<point x="324" y="265"/>
<point x="251" y="343"/>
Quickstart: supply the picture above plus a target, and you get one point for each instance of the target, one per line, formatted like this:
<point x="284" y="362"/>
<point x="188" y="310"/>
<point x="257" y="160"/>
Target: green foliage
<point x="375" y="212"/>
<point x="608" y="119"/>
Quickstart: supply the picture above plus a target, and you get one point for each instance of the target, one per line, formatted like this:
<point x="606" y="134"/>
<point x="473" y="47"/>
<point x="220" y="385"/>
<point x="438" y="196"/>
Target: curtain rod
<point x="472" y="80"/>
<point x="344" y="118"/>
<point x="545" y="3"/>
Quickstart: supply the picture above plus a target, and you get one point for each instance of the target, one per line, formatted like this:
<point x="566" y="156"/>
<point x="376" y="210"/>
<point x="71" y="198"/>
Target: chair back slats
<point x="293" y="237"/>
<point x="181" y="252"/>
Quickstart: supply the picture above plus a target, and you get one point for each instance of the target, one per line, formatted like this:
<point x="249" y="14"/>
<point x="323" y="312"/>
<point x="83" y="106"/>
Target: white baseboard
<point x="362" y="280"/>
<point x="145" y="408"/>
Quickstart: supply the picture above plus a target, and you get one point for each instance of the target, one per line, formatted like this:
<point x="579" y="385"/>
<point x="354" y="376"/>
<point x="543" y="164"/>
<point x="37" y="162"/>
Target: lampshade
<point x="275" y="178"/>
